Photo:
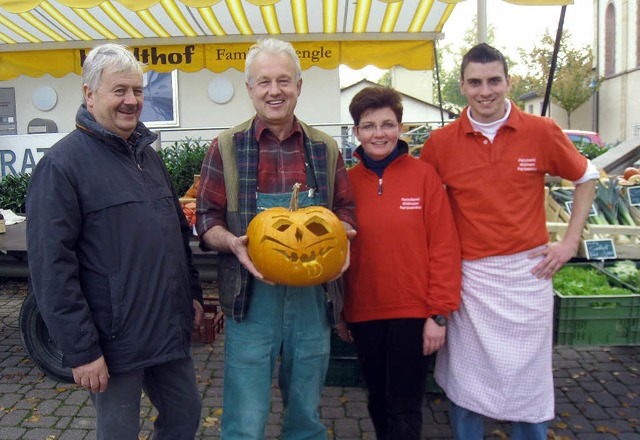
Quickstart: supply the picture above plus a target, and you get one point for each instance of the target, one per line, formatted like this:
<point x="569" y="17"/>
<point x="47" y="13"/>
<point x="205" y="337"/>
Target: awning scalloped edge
<point x="19" y="6"/>
<point x="413" y="55"/>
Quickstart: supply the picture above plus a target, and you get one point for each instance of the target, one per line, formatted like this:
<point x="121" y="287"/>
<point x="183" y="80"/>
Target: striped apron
<point x="498" y="354"/>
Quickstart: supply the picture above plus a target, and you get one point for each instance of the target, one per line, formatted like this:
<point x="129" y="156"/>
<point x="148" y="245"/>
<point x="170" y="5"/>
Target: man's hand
<point x="238" y="245"/>
<point x="221" y="239"/>
<point x="350" y="234"/>
<point x="432" y="337"/>
<point x="198" y="313"/>
<point x="93" y="376"/>
<point x="343" y="332"/>
<point x="555" y="256"/>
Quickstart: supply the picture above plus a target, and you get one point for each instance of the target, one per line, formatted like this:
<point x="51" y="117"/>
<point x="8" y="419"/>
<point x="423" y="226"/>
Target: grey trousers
<point x="172" y="389"/>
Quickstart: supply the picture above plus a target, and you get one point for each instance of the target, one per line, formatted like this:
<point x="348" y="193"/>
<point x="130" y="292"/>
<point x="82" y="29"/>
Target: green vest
<point x="234" y="281"/>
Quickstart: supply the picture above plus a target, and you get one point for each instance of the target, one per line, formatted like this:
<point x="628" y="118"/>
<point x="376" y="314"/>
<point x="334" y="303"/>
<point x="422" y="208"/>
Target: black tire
<point x="41" y="347"/>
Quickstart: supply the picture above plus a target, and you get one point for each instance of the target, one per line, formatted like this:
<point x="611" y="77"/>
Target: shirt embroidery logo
<point x="408" y="203"/>
<point x="527" y="164"/>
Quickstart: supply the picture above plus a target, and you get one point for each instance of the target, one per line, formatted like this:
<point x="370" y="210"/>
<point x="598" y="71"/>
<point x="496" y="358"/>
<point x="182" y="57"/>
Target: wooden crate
<point x="212" y="322"/>
<point x="557" y="218"/>
<point x="626" y="239"/>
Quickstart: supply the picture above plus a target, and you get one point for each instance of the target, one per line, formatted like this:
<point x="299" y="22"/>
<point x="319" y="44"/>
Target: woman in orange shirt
<point x="404" y="276"/>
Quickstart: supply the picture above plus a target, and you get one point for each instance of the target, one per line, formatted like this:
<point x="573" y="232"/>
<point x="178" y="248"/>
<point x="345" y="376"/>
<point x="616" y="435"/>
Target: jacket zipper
<point x="380" y="186"/>
<point x="135" y="158"/>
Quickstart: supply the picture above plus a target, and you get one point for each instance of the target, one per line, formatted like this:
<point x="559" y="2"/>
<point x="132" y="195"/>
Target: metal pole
<point x="482" y="21"/>
<point x="596" y="107"/>
<point x="435" y="55"/>
<point x="554" y="60"/>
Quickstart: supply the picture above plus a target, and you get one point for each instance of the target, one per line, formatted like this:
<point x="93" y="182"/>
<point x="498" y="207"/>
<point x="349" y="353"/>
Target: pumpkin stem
<point x="293" y="206"/>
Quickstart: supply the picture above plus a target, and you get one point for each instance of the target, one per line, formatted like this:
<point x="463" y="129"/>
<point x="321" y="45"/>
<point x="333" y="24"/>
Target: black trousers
<point x="395" y="372"/>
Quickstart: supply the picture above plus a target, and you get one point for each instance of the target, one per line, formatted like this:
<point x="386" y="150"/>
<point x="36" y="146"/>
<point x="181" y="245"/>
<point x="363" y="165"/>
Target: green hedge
<point x="184" y="159"/>
<point x="13" y="192"/>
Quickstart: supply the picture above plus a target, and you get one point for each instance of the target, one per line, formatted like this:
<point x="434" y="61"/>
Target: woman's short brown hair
<point x="373" y="98"/>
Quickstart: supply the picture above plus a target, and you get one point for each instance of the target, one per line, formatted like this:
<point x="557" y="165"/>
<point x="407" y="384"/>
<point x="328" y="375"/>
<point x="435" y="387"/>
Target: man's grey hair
<point x="111" y="55"/>
<point x="271" y="46"/>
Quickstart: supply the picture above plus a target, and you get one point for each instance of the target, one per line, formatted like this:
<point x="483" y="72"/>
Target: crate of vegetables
<point x="625" y="272"/>
<point x="557" y="217"/>
<point x="594" y="308"/>
<point x="611" y="217"/>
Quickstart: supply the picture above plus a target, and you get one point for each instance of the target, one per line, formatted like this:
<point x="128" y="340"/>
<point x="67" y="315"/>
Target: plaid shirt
<point x="281" y="164"/>
<point x="278" y="165"/>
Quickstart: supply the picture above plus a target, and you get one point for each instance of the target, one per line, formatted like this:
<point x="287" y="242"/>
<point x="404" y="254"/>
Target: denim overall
<point x="286" y="322"/>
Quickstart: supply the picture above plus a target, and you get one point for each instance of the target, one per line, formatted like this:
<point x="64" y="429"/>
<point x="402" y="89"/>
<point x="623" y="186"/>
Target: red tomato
<point x="630" y="171"/>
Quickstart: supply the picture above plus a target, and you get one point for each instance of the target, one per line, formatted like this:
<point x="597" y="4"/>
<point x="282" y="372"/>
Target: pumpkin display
<point x="297" y="247"/>
<point x="189" y="210"/>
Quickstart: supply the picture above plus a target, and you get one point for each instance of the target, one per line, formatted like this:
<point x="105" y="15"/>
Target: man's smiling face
<point x="118" y="101"/>
<point x="273" y="88"/>
<point x="486" y="87"/>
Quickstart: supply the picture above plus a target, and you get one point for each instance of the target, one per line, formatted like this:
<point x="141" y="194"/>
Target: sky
<point x="514" y="26"/>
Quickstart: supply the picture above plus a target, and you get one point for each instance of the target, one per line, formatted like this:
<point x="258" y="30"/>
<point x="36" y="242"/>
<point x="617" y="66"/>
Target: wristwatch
<point x="441" y="320"/>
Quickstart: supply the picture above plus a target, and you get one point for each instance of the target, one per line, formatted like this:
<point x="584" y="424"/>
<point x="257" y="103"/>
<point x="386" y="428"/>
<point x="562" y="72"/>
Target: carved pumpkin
<point x="297" y="247"/>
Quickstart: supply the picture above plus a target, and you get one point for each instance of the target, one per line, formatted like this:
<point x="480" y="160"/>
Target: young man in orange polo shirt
<point x="493" y="160"/>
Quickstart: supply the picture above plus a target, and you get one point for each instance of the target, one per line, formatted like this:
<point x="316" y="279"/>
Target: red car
<point x="578" y="136"/>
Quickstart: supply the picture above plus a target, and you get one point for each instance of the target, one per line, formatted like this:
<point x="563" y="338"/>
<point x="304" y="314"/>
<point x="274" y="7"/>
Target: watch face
<point x="440" y="320"/>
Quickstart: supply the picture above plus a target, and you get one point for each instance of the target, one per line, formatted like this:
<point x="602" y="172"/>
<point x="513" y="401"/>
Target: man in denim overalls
<point x="249" y="168"/>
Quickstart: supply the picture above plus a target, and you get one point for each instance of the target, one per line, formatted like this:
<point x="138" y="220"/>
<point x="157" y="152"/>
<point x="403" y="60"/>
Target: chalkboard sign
<point x="600" y="249"/>
<point x="633" y="192"/>
<point x="592" y="212"/>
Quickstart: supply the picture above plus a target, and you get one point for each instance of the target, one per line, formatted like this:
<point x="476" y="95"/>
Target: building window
<point x="609" y="41"/>
<point x="530" y="108"/>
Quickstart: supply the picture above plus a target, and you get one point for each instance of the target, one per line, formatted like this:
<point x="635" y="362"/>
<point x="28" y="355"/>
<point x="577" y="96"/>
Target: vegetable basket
<point x="608" y="315"/>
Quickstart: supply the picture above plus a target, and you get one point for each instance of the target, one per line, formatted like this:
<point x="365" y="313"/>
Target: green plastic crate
<point x="344" y="368"/>
<point x="340" y="348"/>
<point x="344" y="372"/>
<point x="596" y="320"/>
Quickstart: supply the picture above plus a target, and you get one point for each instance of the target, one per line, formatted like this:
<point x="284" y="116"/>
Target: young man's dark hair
<point x="483" y="53"/>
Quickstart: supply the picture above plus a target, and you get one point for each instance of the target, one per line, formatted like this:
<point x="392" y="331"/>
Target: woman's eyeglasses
<point x="371" y="128"/>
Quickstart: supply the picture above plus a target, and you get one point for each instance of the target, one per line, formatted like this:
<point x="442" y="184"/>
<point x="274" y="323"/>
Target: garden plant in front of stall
<point x="13" y="192"/>
<point x="184" y="159"/>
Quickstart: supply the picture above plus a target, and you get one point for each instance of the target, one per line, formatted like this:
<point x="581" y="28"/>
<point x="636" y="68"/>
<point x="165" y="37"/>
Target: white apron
<point x="498" y="354"/>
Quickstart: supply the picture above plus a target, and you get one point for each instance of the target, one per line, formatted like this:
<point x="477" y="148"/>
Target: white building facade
<point x="617" y="55"/>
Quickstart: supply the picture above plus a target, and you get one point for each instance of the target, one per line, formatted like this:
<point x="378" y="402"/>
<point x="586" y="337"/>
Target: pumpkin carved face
<point x="300" y="247"/>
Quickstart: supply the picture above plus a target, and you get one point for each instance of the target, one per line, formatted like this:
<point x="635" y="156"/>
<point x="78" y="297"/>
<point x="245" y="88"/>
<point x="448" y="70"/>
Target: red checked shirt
<point x="281" y="164"/>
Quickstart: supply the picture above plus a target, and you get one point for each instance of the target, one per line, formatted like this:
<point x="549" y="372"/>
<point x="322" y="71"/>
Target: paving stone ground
<point x="597" y="395"/>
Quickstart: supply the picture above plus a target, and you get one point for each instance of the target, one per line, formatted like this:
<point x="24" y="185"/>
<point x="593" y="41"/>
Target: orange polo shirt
<point x="496" y="189"/>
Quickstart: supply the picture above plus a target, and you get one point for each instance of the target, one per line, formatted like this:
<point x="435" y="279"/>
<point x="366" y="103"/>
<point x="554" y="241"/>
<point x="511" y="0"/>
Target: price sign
<point x="592" y="212"/>
<point x="600" y="249"/>
<point x="633" y="193"/>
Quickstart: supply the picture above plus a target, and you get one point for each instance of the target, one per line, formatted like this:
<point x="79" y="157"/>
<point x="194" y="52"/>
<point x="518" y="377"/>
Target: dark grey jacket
<point x="108" y="250"/>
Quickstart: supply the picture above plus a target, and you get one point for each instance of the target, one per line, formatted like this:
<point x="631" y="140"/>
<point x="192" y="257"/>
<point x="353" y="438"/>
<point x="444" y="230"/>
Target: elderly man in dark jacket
<point x="110" y="261"/>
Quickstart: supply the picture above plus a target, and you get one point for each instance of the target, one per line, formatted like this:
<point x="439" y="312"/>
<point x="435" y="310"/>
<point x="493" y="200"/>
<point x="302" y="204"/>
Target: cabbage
<point x="585" y="281"/>
<point x="626" y="271"/>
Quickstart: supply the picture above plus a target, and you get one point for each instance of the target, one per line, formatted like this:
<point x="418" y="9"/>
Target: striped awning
<point x="40" y="37"/>
<point x="215" y="34"/>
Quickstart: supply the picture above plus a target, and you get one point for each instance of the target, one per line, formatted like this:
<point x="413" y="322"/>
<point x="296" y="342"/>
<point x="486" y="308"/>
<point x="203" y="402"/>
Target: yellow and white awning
<point x="52" y="36"/>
